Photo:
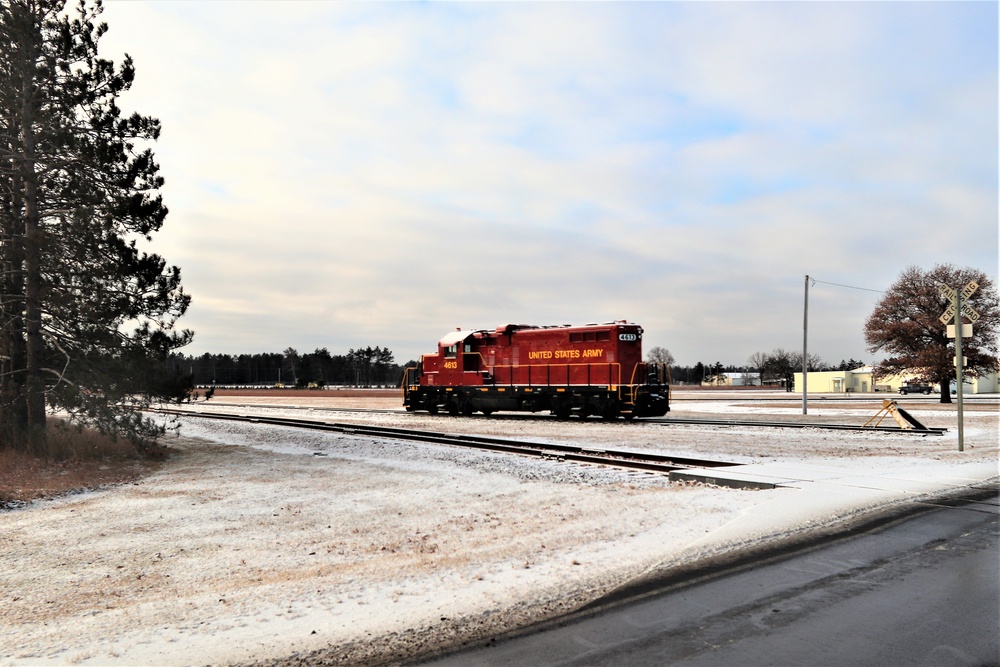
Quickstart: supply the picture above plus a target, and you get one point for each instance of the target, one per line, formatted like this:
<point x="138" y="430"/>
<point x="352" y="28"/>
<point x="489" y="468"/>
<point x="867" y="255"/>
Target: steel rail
<point x="650" y="420"/>
<point x="646" y="461"/>
<point x="816" y="425"/>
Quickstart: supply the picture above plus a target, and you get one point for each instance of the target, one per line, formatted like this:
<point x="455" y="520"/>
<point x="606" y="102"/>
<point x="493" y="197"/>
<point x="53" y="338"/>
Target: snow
<point x="257" y="543"/>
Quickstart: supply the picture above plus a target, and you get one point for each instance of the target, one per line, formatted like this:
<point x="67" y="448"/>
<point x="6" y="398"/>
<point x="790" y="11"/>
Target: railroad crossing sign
<point x="957" y="304"/>
<point x="949" y="293"/>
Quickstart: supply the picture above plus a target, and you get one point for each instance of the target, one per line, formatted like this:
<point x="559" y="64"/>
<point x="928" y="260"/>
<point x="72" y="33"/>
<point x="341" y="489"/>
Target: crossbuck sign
<point x="949" y="293"/>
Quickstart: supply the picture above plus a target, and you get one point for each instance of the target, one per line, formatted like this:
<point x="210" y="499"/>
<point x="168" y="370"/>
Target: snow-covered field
<point x="254" y="544"/>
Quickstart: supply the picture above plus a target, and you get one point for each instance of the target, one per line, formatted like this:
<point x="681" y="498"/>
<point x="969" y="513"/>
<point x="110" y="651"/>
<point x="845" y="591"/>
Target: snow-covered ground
<point x="257" y="543"/>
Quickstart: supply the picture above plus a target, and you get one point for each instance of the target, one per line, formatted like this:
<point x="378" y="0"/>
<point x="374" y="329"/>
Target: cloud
<point x="347" y="174"/>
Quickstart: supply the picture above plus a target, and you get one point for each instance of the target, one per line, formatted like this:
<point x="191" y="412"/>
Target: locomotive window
<point x="576" y="338"/>
<point x="468" y="347"/>
<point x="589" y="336"/>
<point x="451" y="350"/>
<point x="603" y="335"/>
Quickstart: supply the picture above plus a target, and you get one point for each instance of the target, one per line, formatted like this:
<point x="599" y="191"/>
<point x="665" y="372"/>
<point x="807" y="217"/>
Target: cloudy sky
<point x="352" y="174"/>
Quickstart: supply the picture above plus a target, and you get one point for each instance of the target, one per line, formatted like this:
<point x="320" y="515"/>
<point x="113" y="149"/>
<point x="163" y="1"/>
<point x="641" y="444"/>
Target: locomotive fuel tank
<point x="595" y="369"/>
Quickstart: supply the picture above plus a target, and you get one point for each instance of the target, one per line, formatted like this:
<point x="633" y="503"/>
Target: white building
<point x="860" y="380"/>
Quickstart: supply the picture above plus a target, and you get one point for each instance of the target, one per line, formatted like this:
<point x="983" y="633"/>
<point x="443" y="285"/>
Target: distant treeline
<point x="376" y="366"/>
<point x="364" y="367"/>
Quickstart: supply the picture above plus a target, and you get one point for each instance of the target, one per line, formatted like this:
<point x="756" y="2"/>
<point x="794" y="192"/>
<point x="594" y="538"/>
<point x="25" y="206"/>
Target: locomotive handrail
<point x="404" y="384"/>
<point x="633" y="386"/>
<point x="614" y="371"/>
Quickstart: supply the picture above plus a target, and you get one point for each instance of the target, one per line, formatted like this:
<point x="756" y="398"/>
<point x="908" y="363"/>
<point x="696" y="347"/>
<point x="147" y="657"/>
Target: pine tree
<point x="86" y="315"/>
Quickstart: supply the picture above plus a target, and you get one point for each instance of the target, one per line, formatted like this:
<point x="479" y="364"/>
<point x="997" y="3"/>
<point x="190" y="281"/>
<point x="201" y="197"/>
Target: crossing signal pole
<point x="954" y="312"/>
<point x="805" y="351"/>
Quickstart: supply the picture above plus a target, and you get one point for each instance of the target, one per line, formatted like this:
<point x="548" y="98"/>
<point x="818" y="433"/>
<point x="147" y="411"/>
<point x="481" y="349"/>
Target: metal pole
<point x="805" y="355"/>
<point x="958" y="367"/>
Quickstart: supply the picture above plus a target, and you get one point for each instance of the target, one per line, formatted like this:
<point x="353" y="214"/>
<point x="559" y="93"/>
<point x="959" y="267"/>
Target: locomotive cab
<point x="456" y="363"/>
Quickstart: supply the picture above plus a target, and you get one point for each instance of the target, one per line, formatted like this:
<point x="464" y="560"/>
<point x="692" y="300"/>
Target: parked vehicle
<point x="915" y="388"/>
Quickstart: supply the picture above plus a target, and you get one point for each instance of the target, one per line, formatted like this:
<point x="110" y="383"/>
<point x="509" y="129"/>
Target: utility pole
<point x="805" y="350"/>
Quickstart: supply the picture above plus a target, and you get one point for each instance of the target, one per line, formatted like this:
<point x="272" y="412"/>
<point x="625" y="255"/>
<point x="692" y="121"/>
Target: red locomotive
<point x="595" y="369"/>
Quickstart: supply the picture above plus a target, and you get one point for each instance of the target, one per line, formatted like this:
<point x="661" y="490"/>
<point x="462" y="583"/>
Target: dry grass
<point x="75" y="460"/>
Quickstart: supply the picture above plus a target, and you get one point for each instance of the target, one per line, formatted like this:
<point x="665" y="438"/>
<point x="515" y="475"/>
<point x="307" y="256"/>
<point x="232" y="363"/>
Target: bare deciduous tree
<point x="660" y="355"/>
<point x="905" y="325"/>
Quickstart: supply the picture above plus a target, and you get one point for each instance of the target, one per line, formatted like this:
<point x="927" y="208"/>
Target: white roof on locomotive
<point x="459" y="335"/>
<point x="455" y="337"/>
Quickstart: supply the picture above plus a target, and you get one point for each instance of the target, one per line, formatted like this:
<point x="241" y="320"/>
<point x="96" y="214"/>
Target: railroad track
<point x="644" y="461"/>
<point x="655" y="420"/>
<point x="767" y="424"/>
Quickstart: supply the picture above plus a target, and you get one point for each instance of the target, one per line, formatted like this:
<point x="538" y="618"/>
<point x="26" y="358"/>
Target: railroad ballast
<point x="595" y="369"/>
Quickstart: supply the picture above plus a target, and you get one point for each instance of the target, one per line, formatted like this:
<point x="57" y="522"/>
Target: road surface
<point x="923" y="590"/>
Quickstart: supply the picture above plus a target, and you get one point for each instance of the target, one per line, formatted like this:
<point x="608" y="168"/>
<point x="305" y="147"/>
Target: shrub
<point x="73" y="459"/>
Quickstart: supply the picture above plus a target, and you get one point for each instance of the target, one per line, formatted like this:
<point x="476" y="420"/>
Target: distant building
<point x="738" y="379"/>
<point x="860" y="380"/>
<point x="839" y="382"/>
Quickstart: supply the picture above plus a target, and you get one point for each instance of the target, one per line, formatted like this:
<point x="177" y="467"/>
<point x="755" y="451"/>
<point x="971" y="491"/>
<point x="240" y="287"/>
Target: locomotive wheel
<point x="452" y="408"/>
<point x="432" y="408"/>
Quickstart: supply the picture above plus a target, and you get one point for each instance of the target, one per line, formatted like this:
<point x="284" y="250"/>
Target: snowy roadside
<point x="256" y="543"/>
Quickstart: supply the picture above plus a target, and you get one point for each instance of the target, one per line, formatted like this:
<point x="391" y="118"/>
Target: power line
<point x="878" y="291"/>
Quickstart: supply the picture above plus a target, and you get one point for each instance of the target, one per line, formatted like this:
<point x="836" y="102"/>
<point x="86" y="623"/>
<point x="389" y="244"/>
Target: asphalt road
<point x="923" y="590"/>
